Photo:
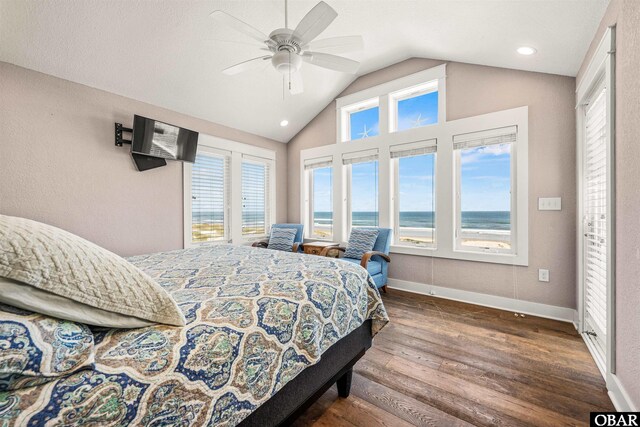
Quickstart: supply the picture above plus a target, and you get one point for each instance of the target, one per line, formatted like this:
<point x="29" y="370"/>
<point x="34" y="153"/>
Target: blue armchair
<point x="297" y="241"/>
<point x="376" y="261"/>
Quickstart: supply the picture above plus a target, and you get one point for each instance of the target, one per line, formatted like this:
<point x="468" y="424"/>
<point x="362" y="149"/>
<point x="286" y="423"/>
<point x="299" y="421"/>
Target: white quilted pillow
<point x="64" y="264"/>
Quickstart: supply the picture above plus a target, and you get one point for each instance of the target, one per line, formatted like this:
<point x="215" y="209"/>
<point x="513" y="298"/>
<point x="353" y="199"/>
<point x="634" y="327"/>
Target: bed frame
<point x="335" y="366"/>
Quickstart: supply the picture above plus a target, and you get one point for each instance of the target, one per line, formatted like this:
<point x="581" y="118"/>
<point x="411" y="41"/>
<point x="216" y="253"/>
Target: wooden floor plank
<point x="446" y="363"/>
<point x="401" y="405"/>
<point x="360" y="412"/>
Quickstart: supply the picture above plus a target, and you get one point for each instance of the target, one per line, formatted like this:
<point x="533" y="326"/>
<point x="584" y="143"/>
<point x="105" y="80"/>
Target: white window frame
<point x="346" y="113"/>
<point x="513" y="204"/>
<point x="395" y="174"/>
<point x="601" y="70"/>
<point x="225" y="155"/>
<point x="307" y="188"/>
<point x="408" y="93"/>
<point x="235" y="151"/>
<point x="268" y="164"/>
<point x="347" y="170"/>
<point x="443" y="132"/>
<point x="382" y="93"/>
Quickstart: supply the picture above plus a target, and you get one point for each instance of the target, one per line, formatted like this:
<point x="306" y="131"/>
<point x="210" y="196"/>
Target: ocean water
<point x="207" y="217"/>
<point x="483" y="220"/>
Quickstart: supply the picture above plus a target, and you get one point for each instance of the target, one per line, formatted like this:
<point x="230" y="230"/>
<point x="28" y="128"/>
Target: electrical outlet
<point x="543" y="275"/>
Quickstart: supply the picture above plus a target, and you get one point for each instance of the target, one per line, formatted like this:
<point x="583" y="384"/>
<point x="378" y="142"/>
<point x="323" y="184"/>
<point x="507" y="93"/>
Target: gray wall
<point x="474" y="90"/>
<point x="59" y="164"/>
<point x="626" y="16"/>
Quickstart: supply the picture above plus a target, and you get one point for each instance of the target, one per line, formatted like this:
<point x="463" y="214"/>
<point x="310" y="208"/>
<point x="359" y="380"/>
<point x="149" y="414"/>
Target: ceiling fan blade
<point x="295" y="83"/>
<point x="246" y="65"/>
<point x="240" y="26"/>
<point x="315" y="22"/>
<point x="337" y="44"/>
<point x="331" y="62"/>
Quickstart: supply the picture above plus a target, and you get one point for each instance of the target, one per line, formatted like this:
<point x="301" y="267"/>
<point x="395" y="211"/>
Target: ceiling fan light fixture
<point x="286" y="62"/>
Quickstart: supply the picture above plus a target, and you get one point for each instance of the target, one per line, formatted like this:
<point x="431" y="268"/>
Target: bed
<point x="267" y="332"/>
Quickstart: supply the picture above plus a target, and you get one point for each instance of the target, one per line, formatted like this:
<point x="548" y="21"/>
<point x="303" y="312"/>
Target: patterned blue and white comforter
<point x="255" y="319"/>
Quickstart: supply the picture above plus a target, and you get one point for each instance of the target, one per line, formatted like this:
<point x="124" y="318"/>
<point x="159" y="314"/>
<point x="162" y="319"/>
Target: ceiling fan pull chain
<point x="289" y="71"/>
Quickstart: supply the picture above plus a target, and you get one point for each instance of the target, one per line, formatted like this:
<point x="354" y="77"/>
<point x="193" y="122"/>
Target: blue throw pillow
<point x="361" y="240"/>
<point x="282" y="239"/>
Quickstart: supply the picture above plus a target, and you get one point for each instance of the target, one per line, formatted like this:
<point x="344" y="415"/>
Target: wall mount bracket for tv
<point x="119" y="130"/>
<point x="142" y="161"/>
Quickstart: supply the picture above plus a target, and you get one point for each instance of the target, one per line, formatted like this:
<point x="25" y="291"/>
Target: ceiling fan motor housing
<point x="286" y="58"/>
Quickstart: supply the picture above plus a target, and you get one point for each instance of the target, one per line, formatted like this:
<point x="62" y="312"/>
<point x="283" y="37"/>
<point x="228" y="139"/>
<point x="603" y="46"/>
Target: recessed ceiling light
<point x="284" y="123"/>
<point x="526" y="50"/>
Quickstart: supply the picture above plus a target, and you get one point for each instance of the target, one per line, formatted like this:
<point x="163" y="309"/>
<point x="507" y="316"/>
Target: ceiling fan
<point x="289" y="48"/>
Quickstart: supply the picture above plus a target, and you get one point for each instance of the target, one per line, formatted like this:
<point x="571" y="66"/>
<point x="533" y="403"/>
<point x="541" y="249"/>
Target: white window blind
<point x="321" y="162"/>
<point x="255" y="196"/>
<point x="503" y="135"/>
<point x="210" y="198"/>
<point x="411" y="149"/>
<point x="595" y="216"/>
<point x="360" y="157"/>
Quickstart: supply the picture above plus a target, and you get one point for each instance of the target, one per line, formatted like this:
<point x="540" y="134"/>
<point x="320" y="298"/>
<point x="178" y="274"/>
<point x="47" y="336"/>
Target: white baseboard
<point x="619" y="396"/>
<point x="563" y="314"/>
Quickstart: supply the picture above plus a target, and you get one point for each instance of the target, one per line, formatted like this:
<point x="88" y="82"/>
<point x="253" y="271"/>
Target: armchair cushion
<point x="361" y="240"/>
<point x="373" y="267"/>
<point x="281" y="239"/>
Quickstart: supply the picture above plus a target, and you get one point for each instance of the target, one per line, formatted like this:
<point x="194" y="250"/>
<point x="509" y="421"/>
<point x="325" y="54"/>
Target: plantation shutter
<point x="483" y="138"/>
<point x="210" y="197"/>
<point x="255" y="195"/>
<point x="413" y="149"/>
<point x="595" y="216"/>
<point x="360" y="157"/>
<point x="320" y="162"/>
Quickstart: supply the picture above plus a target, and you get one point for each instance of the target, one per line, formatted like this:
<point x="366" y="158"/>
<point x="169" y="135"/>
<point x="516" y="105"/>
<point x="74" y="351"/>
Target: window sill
<point x="208" y="242"/>
<point x="493" y="258"/>
<point x="317" y="239"/>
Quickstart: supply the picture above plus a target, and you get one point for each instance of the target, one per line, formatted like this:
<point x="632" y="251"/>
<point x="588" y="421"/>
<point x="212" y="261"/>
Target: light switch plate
<point x="543" y="275"/>
<point x="549" y="203"/>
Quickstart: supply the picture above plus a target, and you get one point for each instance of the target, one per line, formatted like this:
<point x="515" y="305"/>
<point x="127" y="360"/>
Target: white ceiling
<point x="169" y="52"/>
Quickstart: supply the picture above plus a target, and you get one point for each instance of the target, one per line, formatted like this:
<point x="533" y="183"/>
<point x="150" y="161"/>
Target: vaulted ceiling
<point x="170" y="53"/>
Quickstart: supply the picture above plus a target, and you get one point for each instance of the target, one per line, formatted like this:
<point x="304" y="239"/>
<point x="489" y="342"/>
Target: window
<point x="414" y="203"/>
<point x="209" y="188"/>
<point x="361" y="120"/>
<point x="255" y="193"/>
<point x="596" y="216"/>
<point x="449" y="189"/>
<point x="414" y="107"/>
<point x="595" y="211"/>
<point x="320" y="197"/>
<point x="364" y="123"/>
<point x="229" y="192"/>
<point x="363" y="188"/>
<point x="484" y="194"/>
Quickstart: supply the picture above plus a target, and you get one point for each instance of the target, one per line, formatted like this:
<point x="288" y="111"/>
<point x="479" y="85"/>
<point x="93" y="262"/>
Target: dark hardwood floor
<point x="446" y="363"/>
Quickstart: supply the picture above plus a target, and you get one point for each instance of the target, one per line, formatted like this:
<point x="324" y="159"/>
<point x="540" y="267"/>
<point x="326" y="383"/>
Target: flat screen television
<point x="157" y="139"/>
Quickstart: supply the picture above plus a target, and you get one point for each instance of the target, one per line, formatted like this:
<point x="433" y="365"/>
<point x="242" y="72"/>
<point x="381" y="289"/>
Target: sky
<point x="486" y="178"/>
<point x="364" y="123"/>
